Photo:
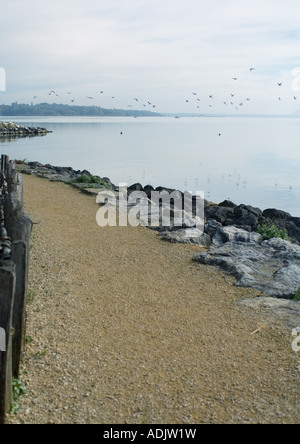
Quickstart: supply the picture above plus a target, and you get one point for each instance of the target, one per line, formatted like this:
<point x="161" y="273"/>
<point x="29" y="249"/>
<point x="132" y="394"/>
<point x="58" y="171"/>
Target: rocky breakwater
<point x="12" y="130"/>
<point x="229" y="239"/>
<point x="232" y="243"/>
<point x="81" y="179"/>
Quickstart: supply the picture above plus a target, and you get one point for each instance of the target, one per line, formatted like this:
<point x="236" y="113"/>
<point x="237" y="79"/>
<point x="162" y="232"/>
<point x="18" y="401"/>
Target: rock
<point x="10" y="129"/>
<point x="161" y="189"/>
<point x="212" y="227"/>
<point x="148" y="190"/>
<point x="135" y="187"/>
<point x="272" y="267"/>
<point x="187" y="236"/>
<point x="272" y="214"/>
<point x="227" y="204"/>
<point x="293" y="230"/>
<point x="219" y="214"/>
<point x="248" y="220"/>
<point x="287" y="311"/>
<point x="295" y="221"/>
<point x="252" y="210"/>
<point x="86" y="173"/>
<point x="240" y="212"/>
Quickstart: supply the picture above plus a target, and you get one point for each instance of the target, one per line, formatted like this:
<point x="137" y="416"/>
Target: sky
<point x="170" y="55"/>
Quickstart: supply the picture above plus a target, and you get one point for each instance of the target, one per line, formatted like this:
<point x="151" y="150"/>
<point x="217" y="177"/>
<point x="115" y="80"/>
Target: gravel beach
<point x="124" y="328"/>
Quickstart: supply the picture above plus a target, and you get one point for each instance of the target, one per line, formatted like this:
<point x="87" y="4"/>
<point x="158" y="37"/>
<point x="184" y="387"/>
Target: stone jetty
<point x="10" y="129"/>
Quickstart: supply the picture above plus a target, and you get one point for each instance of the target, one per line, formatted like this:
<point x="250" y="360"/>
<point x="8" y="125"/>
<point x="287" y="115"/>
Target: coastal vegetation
<point x="90" y="180"/>
<point x="297" y="295"/>
<point x="19" y="390"/>
<point x="269" y="231"/>
<point x="54" y="109"/>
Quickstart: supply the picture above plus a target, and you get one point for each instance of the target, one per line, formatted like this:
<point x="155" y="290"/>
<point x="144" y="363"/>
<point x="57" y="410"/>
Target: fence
<point x="15" y="231"/>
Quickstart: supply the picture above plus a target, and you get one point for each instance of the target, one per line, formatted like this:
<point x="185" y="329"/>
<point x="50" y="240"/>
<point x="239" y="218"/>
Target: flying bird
<point x="252" y="69"/>
<point x="279" y="84"/>
<point x="234" y="78"/>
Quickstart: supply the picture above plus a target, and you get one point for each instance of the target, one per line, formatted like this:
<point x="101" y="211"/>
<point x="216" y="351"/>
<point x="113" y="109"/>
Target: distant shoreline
<point x="56" y="110"/>
<point x="46" y="109"/>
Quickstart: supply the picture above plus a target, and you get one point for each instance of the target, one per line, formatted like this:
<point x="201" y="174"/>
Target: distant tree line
<point x="46" y="109"/>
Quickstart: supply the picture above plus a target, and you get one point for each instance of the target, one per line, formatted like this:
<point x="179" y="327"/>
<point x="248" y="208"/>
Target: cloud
<point x="163" y="49"/>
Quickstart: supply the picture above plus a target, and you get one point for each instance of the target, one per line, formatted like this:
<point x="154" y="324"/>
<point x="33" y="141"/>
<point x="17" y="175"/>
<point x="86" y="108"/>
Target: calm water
<point x="254" y="160"/>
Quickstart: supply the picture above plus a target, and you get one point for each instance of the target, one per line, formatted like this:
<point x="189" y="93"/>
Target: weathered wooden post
<point x="7" y="292"/>
<point x="15" y="232"/>
<point x="4" y="162"/>
<point x="20" y="259"/>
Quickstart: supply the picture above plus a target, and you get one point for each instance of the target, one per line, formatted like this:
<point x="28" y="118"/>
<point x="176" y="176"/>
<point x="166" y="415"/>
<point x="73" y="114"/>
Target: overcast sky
<point x="158" y="51"/>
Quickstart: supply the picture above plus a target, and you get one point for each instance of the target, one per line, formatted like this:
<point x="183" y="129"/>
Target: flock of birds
<point x="52" y="92"/>
<point x="232" y="100"/>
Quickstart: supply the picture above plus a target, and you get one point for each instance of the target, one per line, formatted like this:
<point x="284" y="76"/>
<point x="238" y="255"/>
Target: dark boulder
<point x="148" y="190"/>
<point x="293" y="230"/>
<point x="295" y="220"/>
<point x="248" y="220"/>
<point x="273" y="214"/>
<point x="249" y="209"/>
<point x="135" y="187"/>
<point x="161" y="189"/>
<point x="227" y="204"/>
<point x="219" y="214"/>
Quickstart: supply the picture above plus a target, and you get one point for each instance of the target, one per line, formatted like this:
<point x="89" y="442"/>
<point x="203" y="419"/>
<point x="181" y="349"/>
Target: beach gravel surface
<point x="124" y="328"/>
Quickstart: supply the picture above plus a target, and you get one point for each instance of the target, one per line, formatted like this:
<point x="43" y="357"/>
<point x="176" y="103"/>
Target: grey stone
<point x="187" y="236"/>
<point x="272" y="267"/>
<point x="287" y="311"/>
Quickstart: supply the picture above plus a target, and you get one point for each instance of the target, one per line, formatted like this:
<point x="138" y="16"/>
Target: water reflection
<point x="12" y="138"/>
<point x="256" y="161"/>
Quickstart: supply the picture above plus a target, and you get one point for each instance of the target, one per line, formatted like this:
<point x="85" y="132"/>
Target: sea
<point x="249" y="160"/>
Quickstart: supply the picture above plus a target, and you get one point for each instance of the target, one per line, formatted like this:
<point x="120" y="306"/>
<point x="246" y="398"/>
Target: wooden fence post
<point x="15" y="232"/>
<point x="7" y="292"/>
<point x="20" y="259"/>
